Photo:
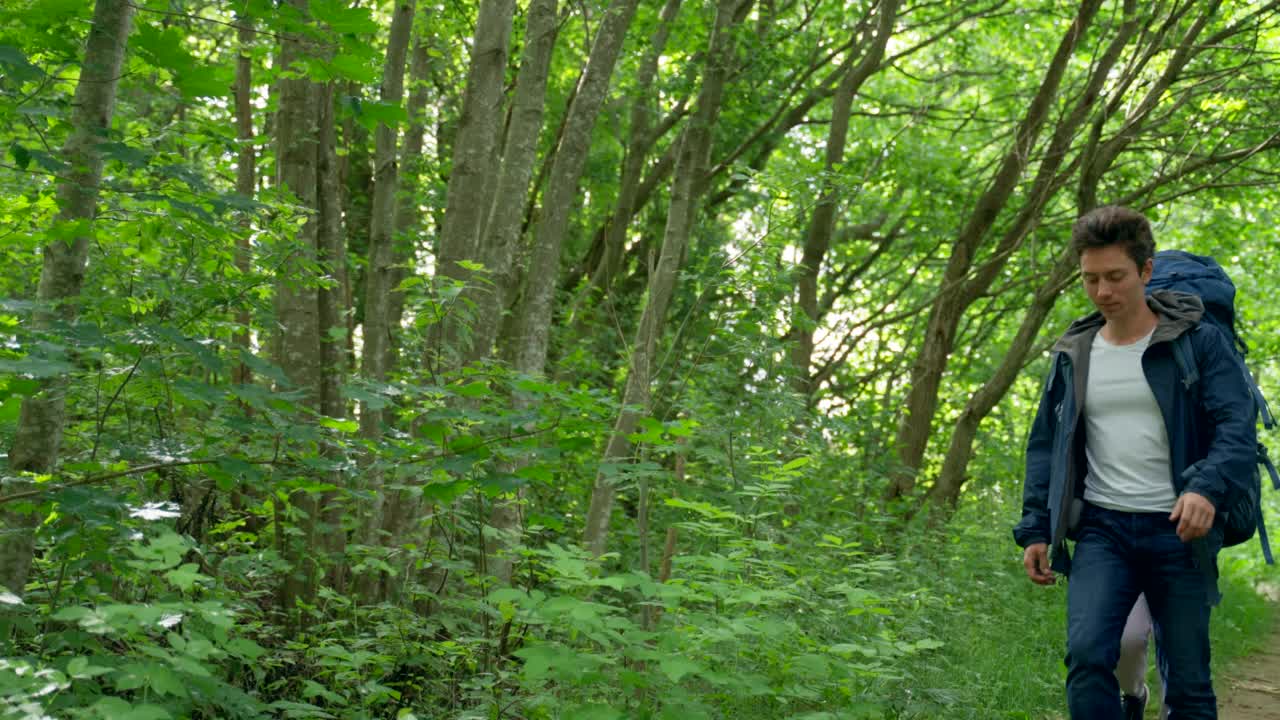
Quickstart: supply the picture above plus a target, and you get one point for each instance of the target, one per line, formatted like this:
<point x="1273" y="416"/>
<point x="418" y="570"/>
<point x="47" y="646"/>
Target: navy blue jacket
<point x="1211" y="424"/>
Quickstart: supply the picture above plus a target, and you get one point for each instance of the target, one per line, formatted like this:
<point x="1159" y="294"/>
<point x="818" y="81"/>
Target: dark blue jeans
<point x="1117" y="556"/>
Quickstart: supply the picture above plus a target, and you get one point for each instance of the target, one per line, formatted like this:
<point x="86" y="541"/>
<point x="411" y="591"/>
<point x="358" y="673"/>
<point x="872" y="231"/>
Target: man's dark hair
<point x="1114" y="225"/>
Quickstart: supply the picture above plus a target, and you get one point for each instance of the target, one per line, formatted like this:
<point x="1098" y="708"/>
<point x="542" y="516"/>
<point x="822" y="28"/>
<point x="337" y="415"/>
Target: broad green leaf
<point x="163" y="681"/>
<point x="185" y="576"/>
<point x="346" y="426"/>
<point x="676" y="667"/>
<point x="472" y="390"/>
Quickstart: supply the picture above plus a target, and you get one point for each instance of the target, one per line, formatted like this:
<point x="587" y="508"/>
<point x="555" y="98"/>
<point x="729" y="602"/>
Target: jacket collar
<point x="1176" y="312"/>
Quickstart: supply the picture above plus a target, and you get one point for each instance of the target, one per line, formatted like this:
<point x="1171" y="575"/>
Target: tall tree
<point x="947" y="309"/>
<point x="533" y="314"/>
<point x="246" y="177"/>
<point x="472" y="174"/>
<point x="42" y="418"/>
<point x="503" y="228"/>
<point x="380" y="271"/>
<point x="297" y="342"/>
<point x="822" y="221"/>
<point x="686" y="190"/>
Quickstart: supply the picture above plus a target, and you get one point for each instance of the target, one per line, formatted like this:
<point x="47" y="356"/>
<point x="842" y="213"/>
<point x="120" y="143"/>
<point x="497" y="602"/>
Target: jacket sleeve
<point x="1228" y="403"/>
<point x="1034" y="526"/>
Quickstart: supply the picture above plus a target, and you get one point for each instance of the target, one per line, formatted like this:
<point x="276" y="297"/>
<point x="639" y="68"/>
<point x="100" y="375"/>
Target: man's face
<point x="1114" y="282"/>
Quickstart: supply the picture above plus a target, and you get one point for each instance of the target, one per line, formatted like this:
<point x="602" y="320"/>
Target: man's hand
<point x="1194" y="515"/>
<point x="1036" y="560"/>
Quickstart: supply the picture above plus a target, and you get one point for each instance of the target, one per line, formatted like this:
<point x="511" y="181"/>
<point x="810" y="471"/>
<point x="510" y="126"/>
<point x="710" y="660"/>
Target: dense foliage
<point x="574" y="360"/>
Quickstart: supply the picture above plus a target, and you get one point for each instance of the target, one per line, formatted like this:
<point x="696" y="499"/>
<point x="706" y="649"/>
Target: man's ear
<point x="1147" y="269"/>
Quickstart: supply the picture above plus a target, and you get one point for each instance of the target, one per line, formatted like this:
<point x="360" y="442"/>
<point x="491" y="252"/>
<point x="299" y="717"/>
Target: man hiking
<point x="1133" y="465"/>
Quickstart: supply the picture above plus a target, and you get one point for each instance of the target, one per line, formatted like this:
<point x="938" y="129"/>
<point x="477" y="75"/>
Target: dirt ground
<point x="1251" y="690"/>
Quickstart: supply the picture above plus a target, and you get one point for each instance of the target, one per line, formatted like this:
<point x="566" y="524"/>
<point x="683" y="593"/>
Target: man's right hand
<point x="1036" y="561"/>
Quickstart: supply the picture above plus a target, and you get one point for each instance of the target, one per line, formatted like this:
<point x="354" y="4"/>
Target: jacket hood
<point x="1177" y="312"/>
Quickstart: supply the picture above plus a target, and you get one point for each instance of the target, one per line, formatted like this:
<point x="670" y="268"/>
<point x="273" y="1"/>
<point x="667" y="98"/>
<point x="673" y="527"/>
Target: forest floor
<point x="1250" y="690"/>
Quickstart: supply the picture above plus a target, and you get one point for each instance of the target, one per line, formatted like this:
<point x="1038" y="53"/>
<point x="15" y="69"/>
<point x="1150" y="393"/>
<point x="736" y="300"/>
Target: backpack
<point x="1204" y="277"/>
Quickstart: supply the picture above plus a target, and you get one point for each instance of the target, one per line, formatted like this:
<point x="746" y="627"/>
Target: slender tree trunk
<point x="533" y="319"/>
<point x="685" y="192"/>
<point x="407" y="222"/>
<point x="641" y="139"/>
<point x="473" y="169"/>
<point x="332" y="316"/>
<point x="946" y="312"/>
<point x="503" y="228"/>
<point x="502" y="234"/>
<point x="379" y="272"/>
<point x="246" y="184"/>
<point x="946" y="490"/>
<point x="297" y="309"/>
<point x="356" y="171"/>
<point x="822" y="223"/>
<point x="42" y="418"/>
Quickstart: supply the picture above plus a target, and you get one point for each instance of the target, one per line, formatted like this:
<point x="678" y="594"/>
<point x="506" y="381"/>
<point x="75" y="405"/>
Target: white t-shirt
<point x="1126" y="442"/>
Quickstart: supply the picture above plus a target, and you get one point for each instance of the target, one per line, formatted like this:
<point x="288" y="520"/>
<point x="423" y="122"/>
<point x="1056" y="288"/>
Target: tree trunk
<point x="407" y="223"/>
<point x="822" y="223"/>
<point x="332" y="317"/>
<point x="641" y="139"/>
<point x="503" y="228"/>
<point x="42" y="418"/>
<point x="297" y="345"/>
<point x="246" y="184"/>
<point x="473" y="170"/>
<point x="685" y="192"/>
<point x="946" y="312"/>
<point x="380" y="273"/>
<point x="533" y="318"/>
<point x="502" y="234"/>
<point x="946" y="490"/>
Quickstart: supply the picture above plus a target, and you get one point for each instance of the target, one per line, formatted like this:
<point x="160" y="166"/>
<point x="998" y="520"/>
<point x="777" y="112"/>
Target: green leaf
<point x="36" y="367"/>
<point x="445" y="492"/>
<point x="533" y="387"/>
<point x="163" y="681"/>
<point x="145" y="712"/>
<point x="472" y="390"/>
<point x="797" y="463"/>
<point x="372" y="114"/>
<point x="207" y="81"/>
<point x="354" y="67"/>
<point x="300" y="710"/>
<point x="131" y="156"/>
<point x="21" y="156"/>
<point x="245" y="649"/>
<point x="185" y="576"/>
<point x="676" y="667"/>
<point x="536" y="473"/>
<point x="70" y="614"/>
<point x="17" y="65"/>
<point x="346" y="426"/>
<point x="262" y="367"/>
<point x="80" y="669"/>
<point x="342" y="18"/>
